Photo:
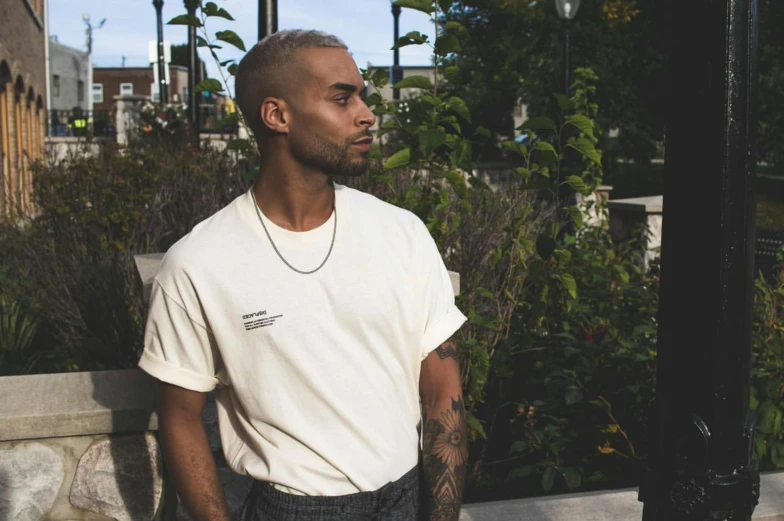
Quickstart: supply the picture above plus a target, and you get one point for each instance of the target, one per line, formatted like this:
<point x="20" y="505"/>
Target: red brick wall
<point x="141" y="77"/>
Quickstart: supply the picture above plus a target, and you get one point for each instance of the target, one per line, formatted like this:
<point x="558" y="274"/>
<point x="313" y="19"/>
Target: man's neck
<point x="294" y="199"/>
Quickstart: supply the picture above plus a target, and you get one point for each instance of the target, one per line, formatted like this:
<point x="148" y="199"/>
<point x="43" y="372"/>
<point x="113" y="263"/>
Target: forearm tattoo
<point x="444" y="456"/>
<point x="448" y="349"/>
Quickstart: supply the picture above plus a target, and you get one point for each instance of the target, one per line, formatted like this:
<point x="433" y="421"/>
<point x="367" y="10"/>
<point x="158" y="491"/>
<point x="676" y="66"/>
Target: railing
<point x="216" y="119"/>
<point x="80" y="123"/>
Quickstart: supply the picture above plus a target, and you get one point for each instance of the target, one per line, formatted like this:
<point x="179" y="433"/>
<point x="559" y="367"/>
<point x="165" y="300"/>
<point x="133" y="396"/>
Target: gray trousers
<point x="395" y="501"/>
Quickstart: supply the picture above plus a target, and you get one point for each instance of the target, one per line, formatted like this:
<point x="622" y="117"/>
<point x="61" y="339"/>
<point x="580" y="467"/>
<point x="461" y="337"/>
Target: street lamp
<point x="164" y="93"/>
<point x="567" y="10"/>
<point x="396" y="75"/>
<point x="193" y="67"/>
<point x="268" y="18"/>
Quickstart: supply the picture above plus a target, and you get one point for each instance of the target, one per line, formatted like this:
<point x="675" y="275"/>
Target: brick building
<point x="22" y="100"/>
<point x="109" y="82"/>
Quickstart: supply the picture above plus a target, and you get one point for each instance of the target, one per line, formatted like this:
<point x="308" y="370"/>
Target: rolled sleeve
<point x="442" y="316"/>
<point x="178" y="347"/>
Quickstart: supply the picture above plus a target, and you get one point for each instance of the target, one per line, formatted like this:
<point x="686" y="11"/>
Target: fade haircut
<point x="259" y="74"/>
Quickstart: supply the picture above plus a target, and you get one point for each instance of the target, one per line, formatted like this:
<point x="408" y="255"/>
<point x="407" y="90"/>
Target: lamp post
<point x="567" y="10"/>
<point x="193" y="66"/>
<point x="163" y="91"/>
<point x="396" y="72"/>
<point x="701" y="463"/>
<point x="268" y="18"/>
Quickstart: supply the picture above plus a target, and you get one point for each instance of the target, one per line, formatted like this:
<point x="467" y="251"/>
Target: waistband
<point x="363" y="500"/>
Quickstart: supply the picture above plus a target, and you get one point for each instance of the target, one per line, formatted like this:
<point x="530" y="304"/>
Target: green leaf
<point x="545" y="245"/>
<point x="452" y="72"/>
<point x="231" y="37"/>
<point x="760" y="446"/>
<point x="582" y="123"/>
<point x="424" y="6"/>
<point x="564" y="102"/>
<point x="373" y="99"/>
<point x="211" y="9"/>
<point x="576" y="215"/>
<point x="447" y="44"/>
<point x="520" y="472"/>
<point x="209" y="85"/>
<point x="460" y="107"/>
<point x="475" y="425"/>
<point x="414" y="82"/>
<point x="573" y="478"/>
<point x="430" y="140"/>
<point x="586" y="148"/>
<point x="573" y="395"/>
<point x="454" y="27"/>
<point x="411" y="38"/>
<point x="185" y="19"/>
<point x="548" y="153"/>
<point x="548" y="478"/>
<point x="569" y="283"/>
<point x="400" y="158"/>
<point x="482" y="131"/>
<point x="577" y="184"/>
<point x="538" y="123"/>
<point x="233" y="69"/>
<point x="201" y="42"/>
<point x="226" y="62"/>
<point x="523" y="172"/>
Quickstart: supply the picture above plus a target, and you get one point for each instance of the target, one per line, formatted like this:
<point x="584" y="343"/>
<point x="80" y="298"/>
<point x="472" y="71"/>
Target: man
<point x="320" y="315"/>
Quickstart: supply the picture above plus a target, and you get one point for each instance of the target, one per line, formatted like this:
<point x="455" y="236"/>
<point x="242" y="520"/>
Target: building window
<point x="126" y="89"/>
<point x="98" y="93"/>
<point x="56" y="86"/>
<point x="155" y="92"/>
<point x="80" y="86"/>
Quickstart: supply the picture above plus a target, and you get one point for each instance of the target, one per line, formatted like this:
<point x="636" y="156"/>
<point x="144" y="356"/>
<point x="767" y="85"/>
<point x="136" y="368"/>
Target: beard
<point x="331" y="158"/>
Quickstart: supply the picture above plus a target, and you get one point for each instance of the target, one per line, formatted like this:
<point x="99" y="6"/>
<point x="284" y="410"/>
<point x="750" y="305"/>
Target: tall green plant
<point x="17" y="330"/>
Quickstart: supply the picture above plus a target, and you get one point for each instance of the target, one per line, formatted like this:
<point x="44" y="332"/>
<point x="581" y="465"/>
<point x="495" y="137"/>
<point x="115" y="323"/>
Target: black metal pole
<point x="396" y="71"/>
<point x="268" y="18"/>
<point x="193" y="66"/>
<point x="701" y="464"/>
<point x="567" y="35"/>
<point x="162" y="87"/>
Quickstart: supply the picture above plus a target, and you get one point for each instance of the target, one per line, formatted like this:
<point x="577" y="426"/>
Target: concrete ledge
<point x="652" y="204"/>
<point x="612" y="505"/>
<point x="76" y="404"/>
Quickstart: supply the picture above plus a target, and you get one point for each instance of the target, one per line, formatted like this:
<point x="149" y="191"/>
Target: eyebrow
<point x="343" y="86"/>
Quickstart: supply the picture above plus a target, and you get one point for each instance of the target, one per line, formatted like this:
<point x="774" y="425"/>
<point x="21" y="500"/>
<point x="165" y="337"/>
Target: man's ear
<point x="275" y="115"/>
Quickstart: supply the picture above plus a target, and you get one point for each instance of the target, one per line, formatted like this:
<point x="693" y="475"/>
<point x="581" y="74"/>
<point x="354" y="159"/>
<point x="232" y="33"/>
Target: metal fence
<point x="80" y="123"/>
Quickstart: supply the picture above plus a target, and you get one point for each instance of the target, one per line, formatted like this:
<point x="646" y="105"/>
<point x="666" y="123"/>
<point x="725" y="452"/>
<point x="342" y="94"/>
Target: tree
<point x="513" y="51"/>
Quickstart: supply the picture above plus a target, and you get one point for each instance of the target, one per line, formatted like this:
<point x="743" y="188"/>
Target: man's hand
<point x="187" y="452"/>
<point x="445" y="448"/>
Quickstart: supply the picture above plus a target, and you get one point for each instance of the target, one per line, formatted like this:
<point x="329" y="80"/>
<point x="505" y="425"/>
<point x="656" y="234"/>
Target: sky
<point x="366" y="26"/>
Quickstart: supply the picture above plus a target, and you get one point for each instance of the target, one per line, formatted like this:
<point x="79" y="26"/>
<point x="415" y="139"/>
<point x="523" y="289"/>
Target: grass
<point x="629" y="180"/>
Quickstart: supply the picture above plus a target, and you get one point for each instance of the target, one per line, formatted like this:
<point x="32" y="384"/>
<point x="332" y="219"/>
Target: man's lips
<point x="364" y="141"/>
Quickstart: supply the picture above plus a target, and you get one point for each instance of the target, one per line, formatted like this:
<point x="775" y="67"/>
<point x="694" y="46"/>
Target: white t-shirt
<point x="316" y="376"/>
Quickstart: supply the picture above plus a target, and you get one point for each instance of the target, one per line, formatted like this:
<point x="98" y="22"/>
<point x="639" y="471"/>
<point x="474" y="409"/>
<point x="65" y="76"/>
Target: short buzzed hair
<point x="259" y="72"/>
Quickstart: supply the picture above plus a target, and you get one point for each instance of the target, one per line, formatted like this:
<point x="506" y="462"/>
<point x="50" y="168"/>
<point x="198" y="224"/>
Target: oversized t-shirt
<point x="316" y="376"/>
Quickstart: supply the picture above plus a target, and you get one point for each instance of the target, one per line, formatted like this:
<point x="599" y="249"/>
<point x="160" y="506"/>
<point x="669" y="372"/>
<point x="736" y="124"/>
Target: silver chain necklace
<point x="334" y="232"/>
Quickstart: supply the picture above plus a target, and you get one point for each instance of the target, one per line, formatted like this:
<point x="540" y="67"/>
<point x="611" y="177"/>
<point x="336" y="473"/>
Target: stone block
<point x="120" y="477"/>
<point x="30" y="478"/>
<point x="74" y="404"/>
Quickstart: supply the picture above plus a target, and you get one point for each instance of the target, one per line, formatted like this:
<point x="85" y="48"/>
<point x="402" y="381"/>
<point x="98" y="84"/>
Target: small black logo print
<point x="258" y="319"/>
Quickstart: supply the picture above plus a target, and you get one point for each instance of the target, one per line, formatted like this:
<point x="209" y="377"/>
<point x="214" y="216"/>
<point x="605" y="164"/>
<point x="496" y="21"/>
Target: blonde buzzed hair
<point x="259" y="72"/>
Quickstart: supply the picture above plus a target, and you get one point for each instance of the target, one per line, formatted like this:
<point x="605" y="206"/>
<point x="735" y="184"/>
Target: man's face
<point x="330" y="127"/>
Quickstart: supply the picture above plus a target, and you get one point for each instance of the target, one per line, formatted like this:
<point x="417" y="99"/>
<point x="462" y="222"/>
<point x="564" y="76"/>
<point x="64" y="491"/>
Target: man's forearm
<point x="444" y="459"/>
<point x="192" y="466"/>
